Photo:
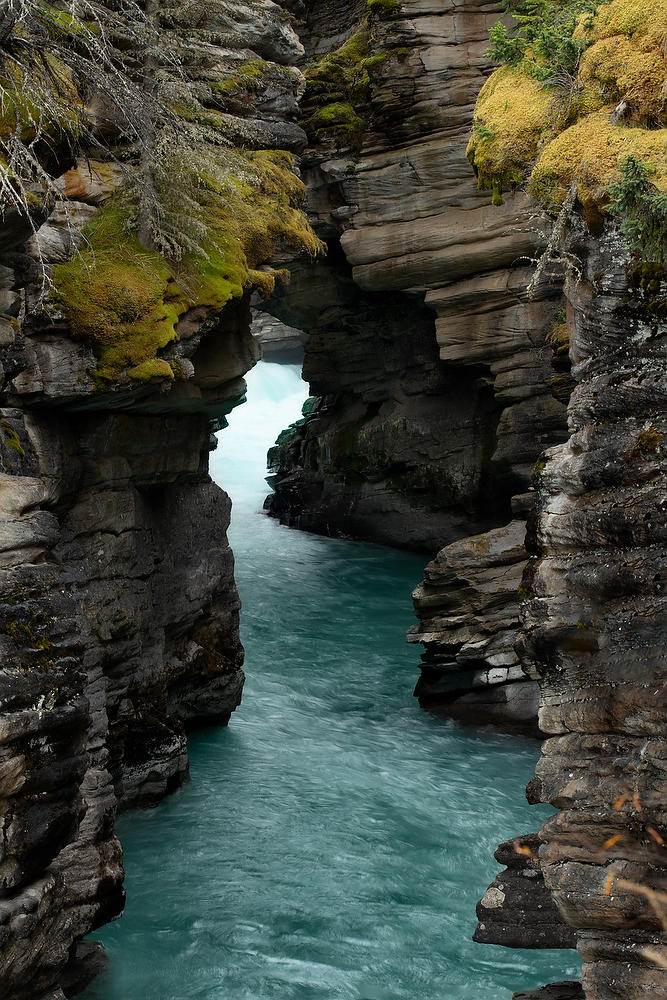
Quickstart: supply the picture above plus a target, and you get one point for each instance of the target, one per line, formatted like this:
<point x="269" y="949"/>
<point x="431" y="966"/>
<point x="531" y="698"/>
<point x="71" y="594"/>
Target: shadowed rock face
<point x="435" y="390"/>
<point x="594" y="631"/>
<point x="118" y="608"/>
<point x="119" y="628"/>
<point x="517" y="909"/>
<point x="593" y="636"/>
<point x="469" y="622"/>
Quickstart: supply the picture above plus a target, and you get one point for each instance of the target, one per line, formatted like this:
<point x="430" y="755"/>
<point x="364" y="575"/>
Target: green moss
<point x="538" y="469"/>
<point x="383" y="6"/>
<point x="248" y="77"/>
<point x="336" y="117"/>
<point x="125" y="301"/>
<point x="118" y="296"/>
<point x="646" y="443"/>
<point x="24" y="635"/>
<point x="558" y="339"/>
<point x="156" y="368"/>
<point x="12" y="439"/>
<point x="605" y="147"/>
<point x="339" y="85"/>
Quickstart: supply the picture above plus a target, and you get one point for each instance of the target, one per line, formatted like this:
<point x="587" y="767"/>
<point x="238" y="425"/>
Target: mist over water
<point x="334" y="839"/>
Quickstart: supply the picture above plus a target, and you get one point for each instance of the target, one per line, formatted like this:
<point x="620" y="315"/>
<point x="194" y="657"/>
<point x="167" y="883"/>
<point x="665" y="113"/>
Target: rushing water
<point x="334" y="839"/>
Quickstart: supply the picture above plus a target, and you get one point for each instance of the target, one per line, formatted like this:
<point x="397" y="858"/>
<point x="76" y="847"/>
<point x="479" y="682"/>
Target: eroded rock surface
<point x="468" y="607"/>
<point x="571" y="990"/>
<point x="435" y="387"/>
<point x="118" y="608"/>
<point x="517" y="910"/>
<point x="593" y="632"/>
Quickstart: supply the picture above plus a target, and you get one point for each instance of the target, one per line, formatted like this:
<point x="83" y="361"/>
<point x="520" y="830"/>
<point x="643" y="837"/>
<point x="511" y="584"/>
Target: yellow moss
<point x="113" y="293"/>
<point x="263" y="282"/>
<point x="616" y="69"/>
<point x="247" y="77"/>
<point x="591" y="151"/>
<point x="513" y="114"/>
<point x="558" y="339"/>
<point x="556" y="135"/>
<point x="148" y="370"/>
<point x="627" y="17"/>
<point x="16" y="104"/>
<point x="12" y="438"/>
<point x="626" y="60"/>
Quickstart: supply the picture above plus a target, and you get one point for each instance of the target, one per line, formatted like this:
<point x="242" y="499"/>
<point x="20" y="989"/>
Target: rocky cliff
<point x="118" y="609"/>
<point x="593" y="636"/>
<point x="426" y="258"/>
<point x="593" y="613"/>
<point x="436" y="381"/>
<point x="594" y="632"/>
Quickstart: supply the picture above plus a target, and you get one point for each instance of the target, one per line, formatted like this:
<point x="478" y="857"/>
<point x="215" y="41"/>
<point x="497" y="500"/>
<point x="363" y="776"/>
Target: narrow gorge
<point x="470" y="261"/>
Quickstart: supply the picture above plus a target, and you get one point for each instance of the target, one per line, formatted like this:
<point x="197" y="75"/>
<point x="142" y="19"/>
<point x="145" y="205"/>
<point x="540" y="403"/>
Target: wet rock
<point x="571" y="990"/>
<point x="468" y="606"/>
<point x="517" y="910"/>
<point x="594" y="632"/>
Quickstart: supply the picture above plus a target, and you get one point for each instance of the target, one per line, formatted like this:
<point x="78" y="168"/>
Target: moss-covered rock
<point x="554" y="131"/>
<point x="591" y="152"/>
<point x="338" y="97"/>
<point x="383" y="6"/>
<point x="125" y="300"/>
<point x="513" y="112"/>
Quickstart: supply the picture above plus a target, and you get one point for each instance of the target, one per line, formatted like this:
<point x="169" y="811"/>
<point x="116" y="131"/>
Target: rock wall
<point x="594" y="629"/>
<point x="118" y="608"/>
<point x="435" y="387"/>
<point x="577" y="608"/>
<point x="118" y="624"/>
<point x="593" y="636"/>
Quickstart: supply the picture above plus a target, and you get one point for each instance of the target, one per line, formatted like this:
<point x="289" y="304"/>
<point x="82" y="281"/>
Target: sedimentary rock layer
<point x="517" y="910"/>
<point x="118" y="608"/>
<point x="594" y="628"/>
<point x="593" y="633"/>
<point x="468" y="606"/>
<point x="435" y="387"/>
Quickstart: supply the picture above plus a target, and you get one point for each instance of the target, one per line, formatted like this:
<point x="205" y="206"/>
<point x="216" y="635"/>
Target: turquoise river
<point x="334" y="839"/>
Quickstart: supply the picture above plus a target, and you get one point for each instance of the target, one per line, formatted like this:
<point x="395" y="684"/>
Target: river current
<point x="334" y="838"/>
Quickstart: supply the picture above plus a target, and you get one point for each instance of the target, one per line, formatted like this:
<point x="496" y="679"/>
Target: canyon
<point x="517" y="441"/>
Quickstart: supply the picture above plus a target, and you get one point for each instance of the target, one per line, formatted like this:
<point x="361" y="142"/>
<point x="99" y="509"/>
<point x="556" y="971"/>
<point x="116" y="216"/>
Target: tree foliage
<point x="541" y="37"/>
<point x="69" y="79"/>
<point x="642" y="209"/>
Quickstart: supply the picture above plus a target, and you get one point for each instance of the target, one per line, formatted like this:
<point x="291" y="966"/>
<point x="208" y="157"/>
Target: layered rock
<point x="119" y="620"/>
<point x="468" y="606"/>
<point x="517" y="910"/>
<point x="280" y="343"/>
<point x="376" y="457"/>
<point x="593" y="633"/>
<point x="570" y="990"/>
<point x="594" y="626"/>
<point x="435" y="386"/>
<point x="118" y="608"/>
